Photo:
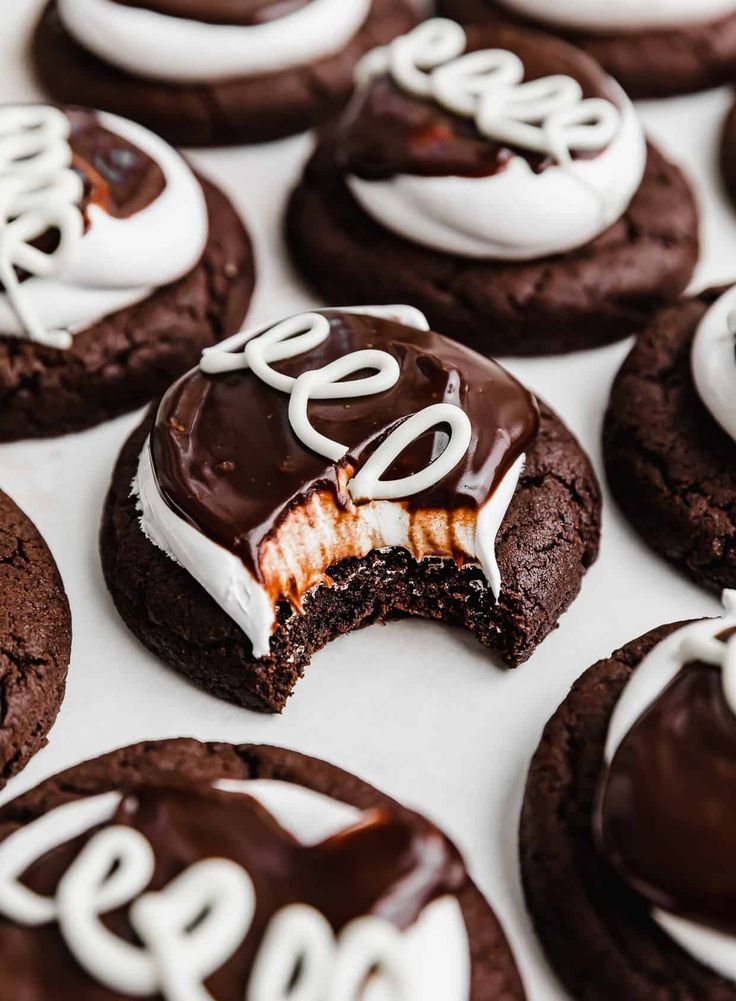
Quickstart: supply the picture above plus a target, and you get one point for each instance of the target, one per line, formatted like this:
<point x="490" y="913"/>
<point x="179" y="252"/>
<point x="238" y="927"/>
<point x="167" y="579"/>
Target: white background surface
<point x="415" y="708"/>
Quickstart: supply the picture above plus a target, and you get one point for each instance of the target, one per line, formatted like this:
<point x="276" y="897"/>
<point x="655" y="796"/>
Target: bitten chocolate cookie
<point x="669" y="432"/>
<point x="626" y="829"/>
<point x="653" y="49"/>
<point x="534" y="231"/>
<point x="35" y="640"/>
<point x="118" y="266"/>
<point x="212" y="73"/>
<point x="432" y="487"/>
<point x="239" y="871"/>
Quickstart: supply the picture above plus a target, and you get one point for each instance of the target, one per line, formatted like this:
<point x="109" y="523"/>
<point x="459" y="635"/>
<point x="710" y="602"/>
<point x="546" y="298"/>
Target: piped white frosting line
<point x="653" y="675"/>
<point x="302" y="333"/>
<point x="120" y="262"/>
<point x="146" y="43"/>
<point x="39" y="192"/>
<point x="434" y="951"/>
<point x="627" y="16"/>
<point x="516" y="214"/>
<point x="713" y="361"/>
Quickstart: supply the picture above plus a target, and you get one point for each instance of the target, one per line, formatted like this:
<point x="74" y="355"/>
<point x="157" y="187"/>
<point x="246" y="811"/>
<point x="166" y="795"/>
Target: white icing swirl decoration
<point x="547" y="116"/>
<point x="114" y="263"/>
<point x="713" y="360"/>
<point x="623" y="16"/>
<point x="300" y="334"/>
<point x="158" y="46"/>
<point x="516" y="213"/>
<point x="38" y="192"/>
<point x="697" y="641"/>
<point x="192" y="926"/>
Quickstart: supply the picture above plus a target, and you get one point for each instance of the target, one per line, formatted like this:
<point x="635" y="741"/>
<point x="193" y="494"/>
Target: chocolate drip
<point x="390" y="865"/>
<point x="118" y="177"/>
<point x="229" y="463"/>
<point x="666" y="810"/>
<point x="237" y="12"/>
<point x="386" y="131"/>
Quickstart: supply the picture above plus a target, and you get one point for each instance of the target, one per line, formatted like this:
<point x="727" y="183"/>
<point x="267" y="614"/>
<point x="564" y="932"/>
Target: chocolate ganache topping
<point x="117" y="176"/>
<point x="228" y="462"/>
<point x="388" y="865"/>
<point x="238" y="12"/>
<point x="666" y="809"/>
<point x="388" y="131"/>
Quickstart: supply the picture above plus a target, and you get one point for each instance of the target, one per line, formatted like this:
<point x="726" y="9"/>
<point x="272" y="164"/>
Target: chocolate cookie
<point x="612" y="803"/>
<point x="669" y="463"/>
<point x="288" y="558"/>
<point x="389" y="209"/>
<point x="35" y="639"/>
<point x="123" y="345"/>
<point x="316" y="835"/>
<point x="237" y="109"/>
<point x="658" y="62"/>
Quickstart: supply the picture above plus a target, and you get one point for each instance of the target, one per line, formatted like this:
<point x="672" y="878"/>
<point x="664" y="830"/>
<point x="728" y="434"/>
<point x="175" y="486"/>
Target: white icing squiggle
<point x="713" y="360"/>
<point x="116" y="263"/>
<point x="696" y="641"/>
<point x="624" y="16"/>
<point x="302" y="333"/>
<point x="517" y="213"/>
<point x="38" y="192"/>
<point x="194" y="925"/>
<point x="547" y="116"/>
<point x="378" y="524"/>
<point x="148" y="44"/>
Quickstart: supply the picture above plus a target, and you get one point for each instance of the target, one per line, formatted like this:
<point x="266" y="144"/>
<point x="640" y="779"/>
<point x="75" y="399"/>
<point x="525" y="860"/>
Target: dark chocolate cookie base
<point x="494" y="975"/>
<point x="35" y="639"/>
<point x="596" y="294"/>
<point x="244" y="110"/>
<point x="547" y="541"/>
<point x="658" y="63"/>
<point x="597" y="933"/>
<point x="133" y="355"/>
<point x="670" y="466"/>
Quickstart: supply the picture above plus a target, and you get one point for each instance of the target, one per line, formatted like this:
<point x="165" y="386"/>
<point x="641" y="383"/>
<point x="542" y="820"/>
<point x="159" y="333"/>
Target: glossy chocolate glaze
<point x="390" y="865"/>
<point x="386" y="131"/>
<point x="229" y="463"/>
<point x="666" y="810"/>
<point x="240" y="12"/>
<point x="118" y="176"/>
